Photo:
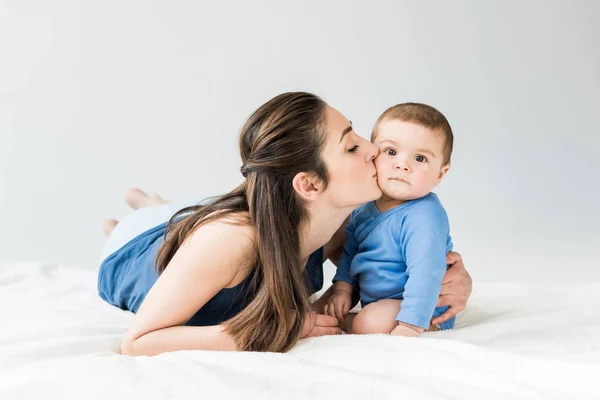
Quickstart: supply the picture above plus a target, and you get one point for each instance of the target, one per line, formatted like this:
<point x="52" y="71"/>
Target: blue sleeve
<point x="350" y="249"/>
<point x="425" y="242"/>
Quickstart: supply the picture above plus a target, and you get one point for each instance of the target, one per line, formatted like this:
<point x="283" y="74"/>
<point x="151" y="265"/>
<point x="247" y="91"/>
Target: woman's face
<point x="349" y="159"/>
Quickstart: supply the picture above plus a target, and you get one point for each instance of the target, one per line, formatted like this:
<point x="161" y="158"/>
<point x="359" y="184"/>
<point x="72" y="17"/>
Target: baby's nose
<point x="403" y="165"/>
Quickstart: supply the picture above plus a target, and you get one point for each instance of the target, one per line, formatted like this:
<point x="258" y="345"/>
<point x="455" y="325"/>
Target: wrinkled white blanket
<point x="58" y="340"/>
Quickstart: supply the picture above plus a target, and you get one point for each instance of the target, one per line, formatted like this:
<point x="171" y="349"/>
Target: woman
<point x="236" y="273"/>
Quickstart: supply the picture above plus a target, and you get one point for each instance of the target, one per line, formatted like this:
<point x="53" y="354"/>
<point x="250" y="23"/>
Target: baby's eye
<point x="390" y="152"/>
<point x="420" y="158"/>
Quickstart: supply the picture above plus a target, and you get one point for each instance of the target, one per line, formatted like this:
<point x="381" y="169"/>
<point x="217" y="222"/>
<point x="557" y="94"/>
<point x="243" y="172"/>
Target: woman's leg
<point x="149" y="211"/>
<point x="108" y="226"/>
<point x="135" y="198"/>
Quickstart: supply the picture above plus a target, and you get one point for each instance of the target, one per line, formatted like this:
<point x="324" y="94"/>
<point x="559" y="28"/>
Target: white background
<point x="96" y="97"/>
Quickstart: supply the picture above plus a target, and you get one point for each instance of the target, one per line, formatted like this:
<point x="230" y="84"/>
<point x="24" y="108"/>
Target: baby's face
<point x="409" y="164"/>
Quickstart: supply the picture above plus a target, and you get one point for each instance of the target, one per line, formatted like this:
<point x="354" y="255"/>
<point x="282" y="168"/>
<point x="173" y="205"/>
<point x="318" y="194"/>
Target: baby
<point x="396" y="246"/>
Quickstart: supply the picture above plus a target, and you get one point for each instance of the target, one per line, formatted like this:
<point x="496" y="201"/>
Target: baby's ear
<point x="443" y="173"/>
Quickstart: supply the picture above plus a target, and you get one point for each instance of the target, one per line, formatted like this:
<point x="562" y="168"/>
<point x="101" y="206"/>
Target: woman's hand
<point x="319" y="325"/>
<point x="456" y="288"/>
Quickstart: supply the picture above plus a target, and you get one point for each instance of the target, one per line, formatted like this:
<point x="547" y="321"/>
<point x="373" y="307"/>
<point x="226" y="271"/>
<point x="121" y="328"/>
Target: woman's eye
<point x="353" y="150"/>
<point x="390" y="152"/>
<point x="420" y="159"/>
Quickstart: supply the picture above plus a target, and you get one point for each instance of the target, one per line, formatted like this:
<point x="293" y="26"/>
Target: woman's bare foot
<point x="137" y="198"/>
<point x="109" y="225"/>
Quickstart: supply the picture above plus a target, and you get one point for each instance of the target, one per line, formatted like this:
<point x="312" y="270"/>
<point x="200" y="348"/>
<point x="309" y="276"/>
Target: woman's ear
<point x="308" y="186"/>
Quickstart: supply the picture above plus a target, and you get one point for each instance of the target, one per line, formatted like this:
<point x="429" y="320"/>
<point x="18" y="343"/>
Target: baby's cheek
<point x="429" y="181"/>
<point x="423" y="179"/>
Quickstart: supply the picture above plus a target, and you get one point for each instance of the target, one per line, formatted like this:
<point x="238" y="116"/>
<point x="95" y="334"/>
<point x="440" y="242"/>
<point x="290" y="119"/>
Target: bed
<point x="521" y="341"/>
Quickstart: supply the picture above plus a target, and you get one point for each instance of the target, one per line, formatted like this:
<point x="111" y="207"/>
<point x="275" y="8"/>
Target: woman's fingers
<point x="453" y="301"/>
<point x="325" y="320"/>
<point x="453" y="257"/>
<point x="323" y="325"/>
<point x="324" y="331"/>
<point x="451" y="312"/>
<point x="456" y="304"/>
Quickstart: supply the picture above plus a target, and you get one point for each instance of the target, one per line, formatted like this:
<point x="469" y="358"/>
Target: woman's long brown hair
<point x="280" y="139"/>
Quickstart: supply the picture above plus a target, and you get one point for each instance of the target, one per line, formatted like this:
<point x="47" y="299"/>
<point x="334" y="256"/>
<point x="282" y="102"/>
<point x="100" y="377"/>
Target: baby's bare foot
<point x="108" y="226"/>
<point x="137" y="198"/>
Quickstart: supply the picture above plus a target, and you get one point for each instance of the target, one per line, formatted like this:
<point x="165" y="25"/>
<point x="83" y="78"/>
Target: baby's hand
<point x="407" y="330"/>
<point x="339" y="305"/>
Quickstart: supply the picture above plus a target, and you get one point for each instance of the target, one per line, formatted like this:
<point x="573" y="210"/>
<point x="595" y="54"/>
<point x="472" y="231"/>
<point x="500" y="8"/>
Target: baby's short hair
<point x="420" y="114"/>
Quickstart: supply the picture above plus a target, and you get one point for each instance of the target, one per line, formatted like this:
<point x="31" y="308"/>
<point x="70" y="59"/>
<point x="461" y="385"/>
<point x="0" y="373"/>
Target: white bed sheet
<point x="521" y="341"/>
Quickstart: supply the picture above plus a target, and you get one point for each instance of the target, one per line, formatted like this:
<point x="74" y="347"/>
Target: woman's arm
<point x="212" y="258"/>
<point x="180" y="338"/>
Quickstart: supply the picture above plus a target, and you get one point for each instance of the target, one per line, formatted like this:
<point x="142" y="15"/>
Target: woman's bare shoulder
<point x="236" y="226"/>
<point x="232" y="238"/>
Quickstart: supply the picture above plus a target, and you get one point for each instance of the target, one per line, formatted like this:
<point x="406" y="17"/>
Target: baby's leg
<point x="376" y="317"/>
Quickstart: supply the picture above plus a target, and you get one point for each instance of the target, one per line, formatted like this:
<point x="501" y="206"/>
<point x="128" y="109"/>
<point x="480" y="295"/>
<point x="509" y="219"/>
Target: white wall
<point x="96" y="97"/>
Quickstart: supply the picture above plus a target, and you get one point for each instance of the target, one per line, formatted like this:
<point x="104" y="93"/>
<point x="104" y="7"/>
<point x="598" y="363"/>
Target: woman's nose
<point x="371" y="151"/>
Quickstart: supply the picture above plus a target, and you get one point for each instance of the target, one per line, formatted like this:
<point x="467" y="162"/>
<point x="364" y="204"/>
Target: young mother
<point x="236" y="273"/>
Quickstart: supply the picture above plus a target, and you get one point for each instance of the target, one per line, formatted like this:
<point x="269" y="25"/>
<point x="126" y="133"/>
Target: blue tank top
<point x="126" y="276"/>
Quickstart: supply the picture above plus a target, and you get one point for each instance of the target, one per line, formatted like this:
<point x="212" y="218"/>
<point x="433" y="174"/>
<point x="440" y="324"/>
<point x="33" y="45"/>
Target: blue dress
<point x="126" y="276"/>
